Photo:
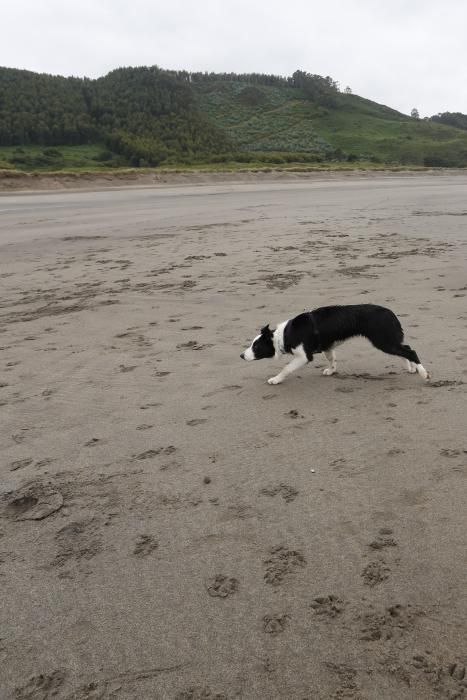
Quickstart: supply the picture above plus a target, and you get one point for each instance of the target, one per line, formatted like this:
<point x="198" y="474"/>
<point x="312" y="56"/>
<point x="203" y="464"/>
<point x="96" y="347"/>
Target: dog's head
<point x="261" y="347"/>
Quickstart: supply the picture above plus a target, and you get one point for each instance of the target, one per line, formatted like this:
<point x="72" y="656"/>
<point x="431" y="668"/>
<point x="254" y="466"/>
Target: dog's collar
<point x="279" y="340"/>
<point x="279" y="347"/>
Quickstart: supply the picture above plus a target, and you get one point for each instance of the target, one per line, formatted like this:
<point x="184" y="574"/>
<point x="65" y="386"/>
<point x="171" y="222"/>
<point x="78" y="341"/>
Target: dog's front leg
<point x="293" y="365"/>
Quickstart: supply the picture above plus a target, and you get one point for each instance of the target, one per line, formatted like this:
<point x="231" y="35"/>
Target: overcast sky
<point x="403" y="53"/>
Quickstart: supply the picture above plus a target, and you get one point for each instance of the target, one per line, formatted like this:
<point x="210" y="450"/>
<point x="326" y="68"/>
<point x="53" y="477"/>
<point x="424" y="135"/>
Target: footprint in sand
<point x="346" y="678"/>
<point x="226" y="387"/>
<point x="449" y="679"/>
<point x="275" y="624"/>
<point x="281" y="563"/>
<point x="293" y="413"/>
<point x="150" y="454"/>
<point x="199" y="693"/>
<point x="338" y="464"/>
<point x="44" y="462"/>
<point x="221" y="586"/>
<point x="444" y="382"/>
<point x="196" y="421"/>
<point x="41" y="687"/>
<point x="20" y="464"/>
<point x="375" y="573"/>
<point x="327" y="605"/>
<point x="34" y="501"/>
<point x="451" y="452"/>
<point x="170" y="466"/>
<point x="393" y="621"/>
<point x="457" y="671"/>
<point x="76" y="541"/>
<point x="20" y="437"/>
<point x="287" y="492"/>
<point x="194" y="345"/>
<point x="47" y="393"/>
<point x="145" y="545"/>
<point x="383" y="539"/>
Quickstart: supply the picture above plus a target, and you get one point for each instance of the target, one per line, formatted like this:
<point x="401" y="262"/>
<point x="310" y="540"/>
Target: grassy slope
<point x="280" y="120"/>
<point x="361" y="126"/>
<point x="285" y="121"/>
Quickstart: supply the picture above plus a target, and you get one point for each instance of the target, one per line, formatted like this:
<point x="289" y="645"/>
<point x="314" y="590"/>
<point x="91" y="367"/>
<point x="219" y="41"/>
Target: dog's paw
<point x="422" y="372"/>
<point x="328" y="372"/>
<point x="412" y="369"/>
<point x="274" y="380"/>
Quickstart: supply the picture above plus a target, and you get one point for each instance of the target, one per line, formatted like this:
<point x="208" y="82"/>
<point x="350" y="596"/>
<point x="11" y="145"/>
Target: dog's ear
<point x="266" y="330"/>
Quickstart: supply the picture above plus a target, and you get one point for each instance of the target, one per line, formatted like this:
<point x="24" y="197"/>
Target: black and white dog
<point x="323" y="329"/>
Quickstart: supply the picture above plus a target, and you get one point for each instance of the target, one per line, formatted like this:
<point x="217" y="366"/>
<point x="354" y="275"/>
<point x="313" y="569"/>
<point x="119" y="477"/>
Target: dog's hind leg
<point x="415" y="364"/>
<point x="408" y="354"/>
<point x="330" y="356"/>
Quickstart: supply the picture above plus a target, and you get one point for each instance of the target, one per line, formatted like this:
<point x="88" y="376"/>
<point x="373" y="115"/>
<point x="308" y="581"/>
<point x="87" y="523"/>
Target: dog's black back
<point x="321" y="328"/>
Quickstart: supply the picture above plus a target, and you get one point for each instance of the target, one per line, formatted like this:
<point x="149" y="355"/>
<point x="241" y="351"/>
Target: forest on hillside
<point x="144" y="114"/>
<point x="147" y="116"/>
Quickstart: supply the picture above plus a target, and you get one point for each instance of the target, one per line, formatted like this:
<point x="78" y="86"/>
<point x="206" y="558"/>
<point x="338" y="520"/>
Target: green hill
<point x="284" y="119"/>
<point x="148" y="116"/>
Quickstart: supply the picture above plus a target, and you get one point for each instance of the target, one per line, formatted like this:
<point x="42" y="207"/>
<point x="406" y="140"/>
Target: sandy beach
<point x="171" y="526"/>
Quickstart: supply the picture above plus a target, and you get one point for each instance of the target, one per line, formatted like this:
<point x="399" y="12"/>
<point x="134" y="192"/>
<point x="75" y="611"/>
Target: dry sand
<point x="173" y="527"/>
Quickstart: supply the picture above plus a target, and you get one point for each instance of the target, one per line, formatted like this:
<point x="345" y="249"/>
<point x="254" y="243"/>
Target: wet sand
<point x="171" y="526"/>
